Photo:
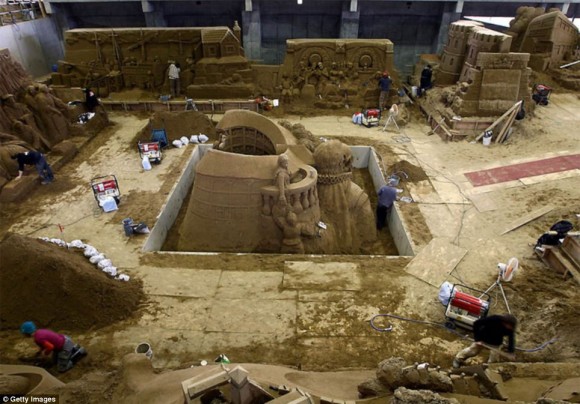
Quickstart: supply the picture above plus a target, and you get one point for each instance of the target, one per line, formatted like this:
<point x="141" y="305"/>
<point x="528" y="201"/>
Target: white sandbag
<point x="110" y="270"/>
<point x="77" y="244"/>
<point x="123" y="277"/>
<point x="104" y="263"/>
<point x="58" y="242"/>
<point x="184" y="140"/>
<point x="44" y="238"/>
<point x="445" y="293"/>
<point x="177" y="143"/>
<point x="95" y="259"/>
<point x="90" y="251"/>
<point x="197" y="139"/>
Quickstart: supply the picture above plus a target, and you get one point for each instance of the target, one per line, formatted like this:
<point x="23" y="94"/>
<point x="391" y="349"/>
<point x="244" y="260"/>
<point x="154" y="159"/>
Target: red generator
<point x="465" y="309"/>
<point x="371" y="117"/>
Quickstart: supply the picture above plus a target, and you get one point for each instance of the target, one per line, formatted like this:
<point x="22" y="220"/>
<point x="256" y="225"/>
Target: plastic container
<point x="146" y="163"/>
<point x="145" y="349"/>
<point x="486" y="141"/>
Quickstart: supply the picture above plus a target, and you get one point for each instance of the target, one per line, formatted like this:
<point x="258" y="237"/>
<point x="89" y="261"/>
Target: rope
<point x="444" y="326"/>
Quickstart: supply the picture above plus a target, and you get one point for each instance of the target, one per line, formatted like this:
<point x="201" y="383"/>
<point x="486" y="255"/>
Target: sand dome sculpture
<point x="235" y="196"/>
<point x="257" y="191"/>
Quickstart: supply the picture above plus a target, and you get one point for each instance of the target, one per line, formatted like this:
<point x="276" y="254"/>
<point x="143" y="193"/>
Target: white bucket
<point x="414" y="91"/>
<point x="144" y="348"/>
<point x="486" y="141"/>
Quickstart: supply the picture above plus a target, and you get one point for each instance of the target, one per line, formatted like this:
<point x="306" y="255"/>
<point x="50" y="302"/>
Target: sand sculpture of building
<point x="551" y="39"/>
<point x="113" y="59"/>
<point x="492" y="79"/>
<point x="258" y="191"/>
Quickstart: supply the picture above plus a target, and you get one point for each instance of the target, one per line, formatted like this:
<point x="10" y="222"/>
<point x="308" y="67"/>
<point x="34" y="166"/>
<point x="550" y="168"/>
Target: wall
<point x="35" y="44"/>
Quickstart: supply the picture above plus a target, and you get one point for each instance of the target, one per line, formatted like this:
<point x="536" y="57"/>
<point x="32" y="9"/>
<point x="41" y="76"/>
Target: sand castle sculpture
<point x="213" y="65"/>
<point x="491" y="78"/>
<point x="259" y="190"/>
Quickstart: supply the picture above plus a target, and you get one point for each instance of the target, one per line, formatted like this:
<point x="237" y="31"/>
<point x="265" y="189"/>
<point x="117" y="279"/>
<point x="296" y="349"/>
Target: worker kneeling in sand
<point x="489" y="331"/>
<point x="65" y="352"/>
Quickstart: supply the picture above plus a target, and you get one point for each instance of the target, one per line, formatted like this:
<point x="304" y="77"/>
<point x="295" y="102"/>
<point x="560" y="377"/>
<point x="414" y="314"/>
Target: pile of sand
<point x="415" y="173"/>
<point x="59" y="288"/>
<point x="178" y="124"/>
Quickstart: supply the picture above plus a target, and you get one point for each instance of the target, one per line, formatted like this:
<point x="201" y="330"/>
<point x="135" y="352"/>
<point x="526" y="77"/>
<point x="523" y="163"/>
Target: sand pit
<point x="59" y="288"/>
<point x="178" y="124"/>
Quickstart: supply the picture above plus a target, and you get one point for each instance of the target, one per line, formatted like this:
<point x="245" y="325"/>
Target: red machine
<point x="371" y="117"/>
<point x="106" y="187"/>
<point x="464" y="309"/>
<point x="152" y="150"/>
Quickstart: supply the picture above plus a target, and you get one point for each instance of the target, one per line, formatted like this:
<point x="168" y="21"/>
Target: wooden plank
<point x="508" y="124"/>
<point x="499" y="120"/>
<point x="527" y="218"/>
<point x="436" y="261"/>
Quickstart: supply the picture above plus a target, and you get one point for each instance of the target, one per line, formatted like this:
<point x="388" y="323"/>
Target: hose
<point x="444" y="326"/>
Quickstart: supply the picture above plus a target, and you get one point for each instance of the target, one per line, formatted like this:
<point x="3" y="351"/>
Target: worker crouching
<point x="489" y="333"/>
<point x="65" y="352"/>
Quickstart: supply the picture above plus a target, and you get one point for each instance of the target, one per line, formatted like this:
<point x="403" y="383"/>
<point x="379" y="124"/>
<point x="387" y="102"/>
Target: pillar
<point x="565" y="7"/>
<point x="349" y="21"/>
<point x="154" y="16"/>
<point x="252" y="30"/>
<point x="451" y="13"/>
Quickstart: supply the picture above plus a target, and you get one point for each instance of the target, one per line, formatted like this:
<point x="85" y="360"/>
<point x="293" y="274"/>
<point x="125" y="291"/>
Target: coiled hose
<point x="444" y="326"/>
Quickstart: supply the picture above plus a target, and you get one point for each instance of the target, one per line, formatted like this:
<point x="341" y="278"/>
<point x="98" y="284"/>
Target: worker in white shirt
<point x="173" y="74"/>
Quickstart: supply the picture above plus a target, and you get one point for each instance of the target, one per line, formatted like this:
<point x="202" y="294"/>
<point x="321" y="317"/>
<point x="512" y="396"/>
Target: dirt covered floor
<point x="313" y="313"/>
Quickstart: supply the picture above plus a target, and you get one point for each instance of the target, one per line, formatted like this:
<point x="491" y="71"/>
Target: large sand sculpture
<point x="328" y="72"/>
<point x="260" y="191"/>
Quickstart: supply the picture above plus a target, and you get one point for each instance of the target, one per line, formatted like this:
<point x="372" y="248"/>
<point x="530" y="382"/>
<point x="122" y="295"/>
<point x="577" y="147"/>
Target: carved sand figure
<point x="292" y="233"/>
<point x="32" y="104"/>
<point x="344" y="204"/>
<point x="10" y="145"/>
<point x="53" y="119"/>
<point x="287" y="88"/>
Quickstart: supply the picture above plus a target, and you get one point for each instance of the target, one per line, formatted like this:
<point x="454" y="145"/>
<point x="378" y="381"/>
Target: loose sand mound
<point x="178" y="124"/>
<point x="59" y="288"/>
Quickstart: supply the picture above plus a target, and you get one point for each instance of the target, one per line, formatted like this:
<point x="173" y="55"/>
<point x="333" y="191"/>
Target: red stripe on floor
<point x="523" y="170"/>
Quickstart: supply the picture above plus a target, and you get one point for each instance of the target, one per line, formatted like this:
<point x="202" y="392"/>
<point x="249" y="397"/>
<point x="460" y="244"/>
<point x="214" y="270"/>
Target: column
<point x="451" y="13"/>
<point x="252" y="30"/>
<point x="154" y="16"/>
<point x="349" y="20"/>
<point x="565" y="7"/>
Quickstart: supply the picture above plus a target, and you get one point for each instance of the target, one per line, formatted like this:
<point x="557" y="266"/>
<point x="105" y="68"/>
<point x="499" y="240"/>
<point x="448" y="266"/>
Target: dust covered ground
<point x="262" y="309"/>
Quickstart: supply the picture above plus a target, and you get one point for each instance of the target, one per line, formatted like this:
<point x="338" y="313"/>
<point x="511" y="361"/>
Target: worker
<point x="426" y="76"/>
<point x="173" y="74"/>
<point x="34" y="158"/>
<point x="489" y="331"/>
<point x="387" y="196"/>
<point x="91" y="100"/>
<point x="385" y="86"/>
<point x="65" y="352"/>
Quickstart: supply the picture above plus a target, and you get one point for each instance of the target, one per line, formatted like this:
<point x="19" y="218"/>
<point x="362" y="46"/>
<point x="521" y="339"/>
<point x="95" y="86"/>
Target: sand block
<point x="436" y="261"/>
<point x="39" y="379"/>
<point x="483" y="202"/>
<point x="568" y="390"/>
<point x="323" y="276"/>
<point x="423" y="192"/>
<point x="262" y="285"/>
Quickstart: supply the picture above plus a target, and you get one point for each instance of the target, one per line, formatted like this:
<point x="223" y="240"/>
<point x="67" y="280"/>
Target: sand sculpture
<point x="33" y="118"/>
<point x="259" y="192"/>
<point x="331" y="72"/>
<point x="491" y="78"/>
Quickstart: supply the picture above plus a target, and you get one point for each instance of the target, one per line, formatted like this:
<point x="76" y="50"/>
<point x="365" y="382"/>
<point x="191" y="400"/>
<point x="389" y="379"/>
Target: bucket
<point x="486" y="141"/>
<point x="394" y="180"/>
<point x="144" y="348"/>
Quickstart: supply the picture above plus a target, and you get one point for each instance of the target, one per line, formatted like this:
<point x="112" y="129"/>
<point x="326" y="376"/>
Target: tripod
<point x="391" y="120"/>
<point x="498" y="284"/>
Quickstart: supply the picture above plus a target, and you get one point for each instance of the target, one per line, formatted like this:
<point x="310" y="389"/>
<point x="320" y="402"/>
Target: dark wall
<point x="285" y="19"/>
<point x="103" y="15"/>
<point x="413" y="27"/>
<point x="202" y="13"/>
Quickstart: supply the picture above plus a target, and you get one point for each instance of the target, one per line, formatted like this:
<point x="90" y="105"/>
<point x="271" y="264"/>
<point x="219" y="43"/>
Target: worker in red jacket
<point x="64" y="351"/>
<point x="489" y="331"/>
